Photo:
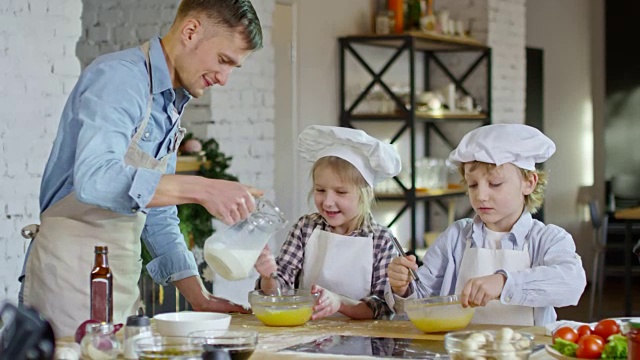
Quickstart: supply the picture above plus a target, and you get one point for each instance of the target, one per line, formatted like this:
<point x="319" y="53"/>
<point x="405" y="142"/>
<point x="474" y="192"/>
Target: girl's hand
<point x="328" y="302"/>
<point x="399" y="275"/>
<point x="266" y="263"/>
<point x="479" y="291"/>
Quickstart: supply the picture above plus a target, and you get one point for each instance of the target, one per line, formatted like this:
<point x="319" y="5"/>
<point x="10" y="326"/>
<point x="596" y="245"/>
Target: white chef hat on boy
<point x="375" y="159"/>
<point x="521" y="145"/>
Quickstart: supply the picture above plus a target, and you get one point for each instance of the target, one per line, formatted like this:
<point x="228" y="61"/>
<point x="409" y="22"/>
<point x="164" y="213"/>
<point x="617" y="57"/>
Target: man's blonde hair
<point x="532" y="202"/>
<point x="351" y="176"/>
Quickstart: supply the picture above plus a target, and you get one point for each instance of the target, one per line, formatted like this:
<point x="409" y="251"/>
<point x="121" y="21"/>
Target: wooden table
<point x="629" y="216"/>
<point x="273" y="339"/>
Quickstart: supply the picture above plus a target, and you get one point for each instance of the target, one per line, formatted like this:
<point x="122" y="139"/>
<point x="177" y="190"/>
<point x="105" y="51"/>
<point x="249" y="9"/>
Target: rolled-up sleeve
<point x="172" y="260"/>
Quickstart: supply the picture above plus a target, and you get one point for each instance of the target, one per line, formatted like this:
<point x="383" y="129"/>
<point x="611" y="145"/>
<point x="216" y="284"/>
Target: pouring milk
<point x="233" y="251"/>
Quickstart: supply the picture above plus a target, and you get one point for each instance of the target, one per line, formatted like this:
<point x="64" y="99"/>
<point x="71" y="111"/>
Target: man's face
<point x="208" y="58"/>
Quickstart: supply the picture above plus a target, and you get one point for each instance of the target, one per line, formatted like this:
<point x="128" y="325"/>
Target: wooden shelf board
<point x="189" y="165"/>
<point x="423" y="41"/>
<point x="422" y="195"/>
<point x="420" y="115"/>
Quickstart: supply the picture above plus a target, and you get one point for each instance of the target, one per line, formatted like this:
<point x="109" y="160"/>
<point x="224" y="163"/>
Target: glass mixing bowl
<point x="284" y="308"/>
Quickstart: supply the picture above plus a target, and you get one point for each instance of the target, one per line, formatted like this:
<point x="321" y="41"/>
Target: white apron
<point x="57" y="272"/>
<point x="478" y="262"/>
<point x="339" y="263"/>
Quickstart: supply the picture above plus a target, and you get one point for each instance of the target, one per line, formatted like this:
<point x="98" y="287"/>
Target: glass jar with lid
<point x="100" y="342"/>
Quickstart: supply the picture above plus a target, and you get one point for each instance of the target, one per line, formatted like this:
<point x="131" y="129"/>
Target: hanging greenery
<point x="195" y="220"/>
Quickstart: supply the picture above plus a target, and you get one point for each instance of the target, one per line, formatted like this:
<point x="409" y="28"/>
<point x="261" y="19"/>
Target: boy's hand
<point x="266" y="263"/>
<point x="399" y="275"/>
<point x="479" y="291"/>
<point x="328" y="302"/>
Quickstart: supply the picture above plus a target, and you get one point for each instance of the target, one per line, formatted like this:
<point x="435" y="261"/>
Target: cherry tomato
<point x="584" y="330"/>
<point x="589" y="348"/>
<point x="606" y="328"/>
<point x="566" y="333"/>
<point x="592" y="337"/>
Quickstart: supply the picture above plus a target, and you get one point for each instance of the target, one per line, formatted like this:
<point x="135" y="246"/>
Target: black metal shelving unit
<point x="431" y="46"/>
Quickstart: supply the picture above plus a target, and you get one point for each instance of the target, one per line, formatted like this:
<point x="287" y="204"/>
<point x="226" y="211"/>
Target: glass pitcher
<point x="233" y="252"/>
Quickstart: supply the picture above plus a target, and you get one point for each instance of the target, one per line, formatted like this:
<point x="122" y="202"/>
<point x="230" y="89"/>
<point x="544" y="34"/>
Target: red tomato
<point x="566" y="333"/>
<point x="592" y="337"/>
<point x="606" y="328"/>
<point x="589" y="348"/>
<point x="584" y="330"/>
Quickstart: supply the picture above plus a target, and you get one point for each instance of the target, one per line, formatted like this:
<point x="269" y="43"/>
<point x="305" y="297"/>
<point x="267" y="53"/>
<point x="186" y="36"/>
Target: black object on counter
<point x="24" y="334"/>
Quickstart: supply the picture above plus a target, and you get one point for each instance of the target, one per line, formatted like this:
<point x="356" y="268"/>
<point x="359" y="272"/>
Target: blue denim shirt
<point x="99" y="119"/>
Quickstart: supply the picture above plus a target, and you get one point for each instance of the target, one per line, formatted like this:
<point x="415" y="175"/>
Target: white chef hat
<point x="375" y="159"/>
<point x="521" y="145"/>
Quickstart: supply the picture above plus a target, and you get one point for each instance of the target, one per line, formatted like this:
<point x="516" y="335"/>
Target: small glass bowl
<point x="438" y="314"/>
<point x="284" y="308"/>
<point x="462" y="345"/>
<point x="164" y="347"/>
<point x="238" y="344"/>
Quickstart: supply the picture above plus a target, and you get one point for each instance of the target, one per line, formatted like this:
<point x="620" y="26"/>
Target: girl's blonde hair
<point x="349" y="175"/>
<point x="533" y="201"/>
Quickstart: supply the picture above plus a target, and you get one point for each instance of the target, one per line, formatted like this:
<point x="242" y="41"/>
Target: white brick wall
<point x="38" y="67"/>
<point x="507" y="38"/>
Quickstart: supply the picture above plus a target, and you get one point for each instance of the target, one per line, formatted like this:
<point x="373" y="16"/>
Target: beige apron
<point x="57" y="274"/>
<point x="341" y="264"/>
<point x="478" y="262"/>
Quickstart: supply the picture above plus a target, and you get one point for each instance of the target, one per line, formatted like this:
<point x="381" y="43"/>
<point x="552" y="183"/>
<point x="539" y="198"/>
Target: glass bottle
<point x="100" y="342"/>
<point x="101" y="287"/>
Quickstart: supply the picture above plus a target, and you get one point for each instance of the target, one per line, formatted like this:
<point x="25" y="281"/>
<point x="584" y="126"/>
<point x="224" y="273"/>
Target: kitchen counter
<point x="273" y="339"/>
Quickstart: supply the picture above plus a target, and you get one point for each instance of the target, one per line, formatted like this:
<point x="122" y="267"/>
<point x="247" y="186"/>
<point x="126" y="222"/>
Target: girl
<point x="339" y="252"/>
<point x="514" y="268"/>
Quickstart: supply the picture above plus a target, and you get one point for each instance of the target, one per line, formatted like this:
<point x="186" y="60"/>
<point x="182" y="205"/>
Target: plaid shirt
<point x="291" y="257"/>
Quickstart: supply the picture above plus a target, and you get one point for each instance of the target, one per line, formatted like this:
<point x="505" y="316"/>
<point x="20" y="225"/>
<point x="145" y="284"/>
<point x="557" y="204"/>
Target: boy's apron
<point x="341" y="264"/>
<point x="58" y="267"/>
<point x="478" y="262"/>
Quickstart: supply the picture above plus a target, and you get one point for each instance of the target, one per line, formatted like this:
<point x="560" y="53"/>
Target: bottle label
<point x="100" y="304"/>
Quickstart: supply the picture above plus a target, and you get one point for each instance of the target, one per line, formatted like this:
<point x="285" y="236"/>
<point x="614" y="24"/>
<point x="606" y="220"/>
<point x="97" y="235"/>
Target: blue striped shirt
<point x="556" y="277"/>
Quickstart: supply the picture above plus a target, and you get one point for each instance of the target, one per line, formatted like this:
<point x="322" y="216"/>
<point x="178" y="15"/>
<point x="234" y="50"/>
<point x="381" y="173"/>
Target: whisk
<point x="422" y="288"/>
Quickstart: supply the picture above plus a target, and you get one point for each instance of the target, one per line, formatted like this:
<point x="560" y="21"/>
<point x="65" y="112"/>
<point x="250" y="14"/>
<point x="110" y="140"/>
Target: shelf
<point x="423" y="41"/>
<point x="422" y="195"/>
<point x="420" y="115"/>
<point x="188" y="164"/>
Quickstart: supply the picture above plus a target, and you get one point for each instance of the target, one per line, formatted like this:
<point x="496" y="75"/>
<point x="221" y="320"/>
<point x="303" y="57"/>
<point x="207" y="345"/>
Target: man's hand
<point x="399" y="275"/>
<point x="229" y="201"/>
<point x="216" y="304"/>
<point x="479" y="291"/>
<point x="201" y="300"/>
<point x="328" y="302"/>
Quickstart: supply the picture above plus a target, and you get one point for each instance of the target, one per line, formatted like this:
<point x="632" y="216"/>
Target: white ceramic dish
<point x="185" y="322"/>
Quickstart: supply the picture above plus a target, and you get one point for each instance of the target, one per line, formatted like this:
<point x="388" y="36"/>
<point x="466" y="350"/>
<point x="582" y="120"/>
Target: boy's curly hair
<point x="532" y="202"/>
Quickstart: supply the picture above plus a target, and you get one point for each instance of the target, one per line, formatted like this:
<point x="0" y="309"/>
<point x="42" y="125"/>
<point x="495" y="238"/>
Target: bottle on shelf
<point x="397" y="6"/>
<point x="101" y="287"/>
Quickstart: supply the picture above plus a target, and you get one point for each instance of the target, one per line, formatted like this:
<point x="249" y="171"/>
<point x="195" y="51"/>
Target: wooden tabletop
<point x="273" y="339"/>
<point x="628" y="214"/>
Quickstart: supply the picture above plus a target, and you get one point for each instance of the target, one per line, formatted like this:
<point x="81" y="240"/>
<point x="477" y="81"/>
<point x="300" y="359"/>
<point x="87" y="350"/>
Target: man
<point x="110" y="175"/>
